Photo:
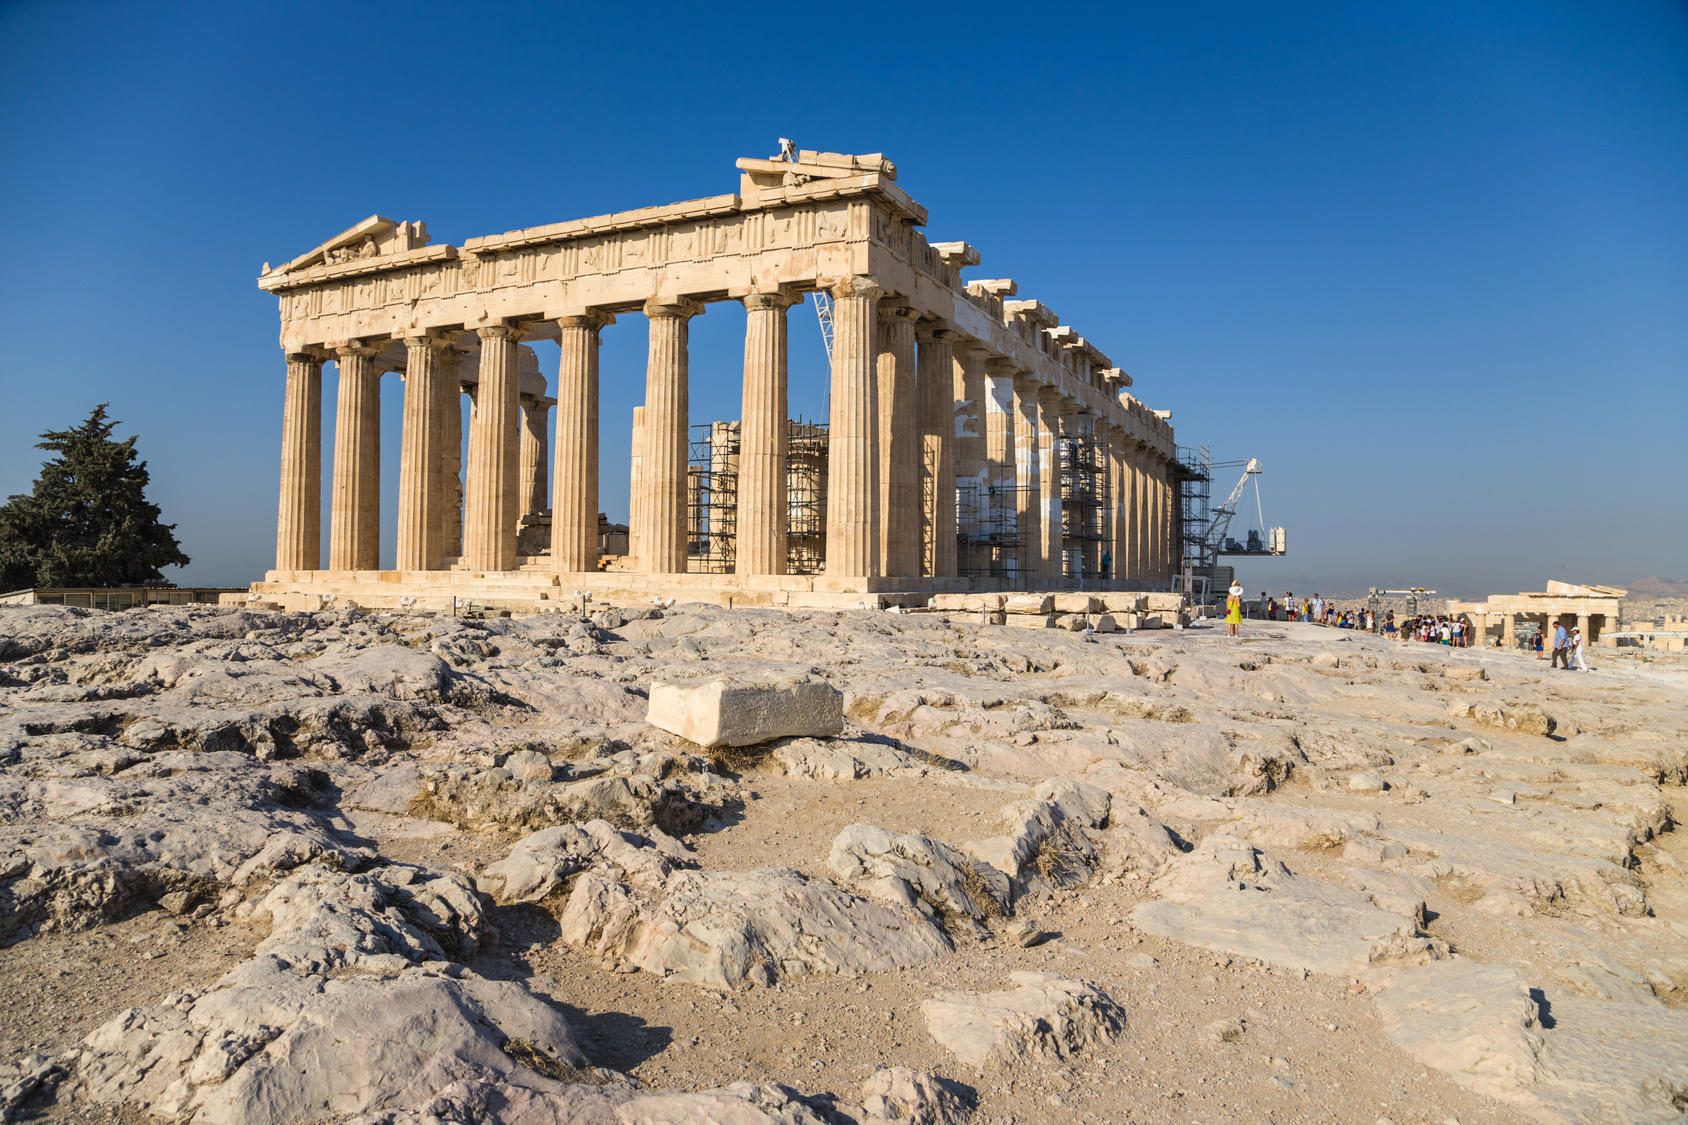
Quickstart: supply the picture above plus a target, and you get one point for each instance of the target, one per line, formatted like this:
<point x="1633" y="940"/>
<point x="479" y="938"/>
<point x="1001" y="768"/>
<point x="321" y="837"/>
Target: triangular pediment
<point x="371" y="238"/>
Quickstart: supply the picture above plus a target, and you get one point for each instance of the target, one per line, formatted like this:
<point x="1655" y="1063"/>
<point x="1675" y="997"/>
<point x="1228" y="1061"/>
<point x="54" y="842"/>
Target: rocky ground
<point x="259" y="867"/>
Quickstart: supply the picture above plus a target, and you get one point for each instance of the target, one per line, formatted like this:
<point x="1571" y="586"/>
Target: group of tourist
<point x="1455" y="632"/>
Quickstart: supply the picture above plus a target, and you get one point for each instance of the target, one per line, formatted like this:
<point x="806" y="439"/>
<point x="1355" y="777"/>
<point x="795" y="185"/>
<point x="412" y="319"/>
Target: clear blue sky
<point x="1429" y="262"/>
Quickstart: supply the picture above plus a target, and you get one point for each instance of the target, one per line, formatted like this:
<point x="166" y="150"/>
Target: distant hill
<point x="1657" y="588"/>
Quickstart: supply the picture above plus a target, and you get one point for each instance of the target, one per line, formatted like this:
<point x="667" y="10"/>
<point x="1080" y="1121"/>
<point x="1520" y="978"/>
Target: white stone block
<point x="1076" y="603"/>
<point x="1029" y="603"/>
<point x="744" y="712"/>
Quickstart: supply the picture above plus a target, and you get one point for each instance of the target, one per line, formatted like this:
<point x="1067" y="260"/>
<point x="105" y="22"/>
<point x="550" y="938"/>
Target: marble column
<point x="491" y="497"/>
<point x="1028" y="472"/>
<point x="972" y="480"/>
<point x="1509" y="631"/>
<point x="354" y="526"/>
<point x="298" y="536"/>
<point x="636" y="492"/>
<point x="664" y="534"/>
<point x="1001" y="508"/>
<point x="574" y="494"/>
<point x="852" y="493"/>
<point x="936" y="396"/>
<point x="899" y="439"/>
<point x="1137" y="498"/>
<point x="535" y="454"/>
<point x="1119" y="503"/>
<point x="1152" y="539"/>
<point x="421" y="500"/>
<point x="1052" y="548"/>
<point x="762" y="511"/>
<point x="448" y="532"/>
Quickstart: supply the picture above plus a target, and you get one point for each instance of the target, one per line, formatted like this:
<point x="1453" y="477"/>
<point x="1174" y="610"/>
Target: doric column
<point x="1157" y="518"/>
<point x="636" y="492"/>
<point x="1028" y="470"/>
<point x="852" y="473"/>
<point x="1509" y="631"/>
<point x="1119" y="499"/>
<point x="489" y="528"/>
<point x="1002" y="505"/>
<point x="762" y="514"/>
<point x="936" y="396"/>
<point x="448" y="532"/>
<point x="899" y="439"/>
<point x="534" y="498"/>
<point x="1049" y="408"/>
<point x="1136" y="512"/>
<point x="574" y="496"/>
<point x="663" y="539"/>
<point x="1108" y="445"/>
<point x="354" y="522"/>
<point x="298" y="526"/>
<point x="972" y="481"/>
<point x="421" y="484"/>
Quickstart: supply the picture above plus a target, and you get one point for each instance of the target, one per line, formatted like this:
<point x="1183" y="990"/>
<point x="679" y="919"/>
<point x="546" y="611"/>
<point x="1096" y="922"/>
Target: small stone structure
<point x="1593" y="609"/>
<point x="943" y="392"/>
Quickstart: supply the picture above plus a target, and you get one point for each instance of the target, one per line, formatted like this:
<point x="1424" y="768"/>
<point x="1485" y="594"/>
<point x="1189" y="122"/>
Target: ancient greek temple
<point x="972" y="441"/>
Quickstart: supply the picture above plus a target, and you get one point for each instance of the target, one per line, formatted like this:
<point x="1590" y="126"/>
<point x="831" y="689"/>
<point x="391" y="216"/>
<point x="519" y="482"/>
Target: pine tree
<point x="88" y="521"/>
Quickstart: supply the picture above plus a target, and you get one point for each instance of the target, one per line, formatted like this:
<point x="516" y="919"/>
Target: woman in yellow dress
<point x="1233" y="610"/>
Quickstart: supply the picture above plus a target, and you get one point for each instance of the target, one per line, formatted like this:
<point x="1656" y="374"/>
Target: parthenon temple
<point x="972" y="441"/>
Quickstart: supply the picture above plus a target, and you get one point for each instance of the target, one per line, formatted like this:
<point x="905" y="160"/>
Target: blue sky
<point x="1429" y="263"/>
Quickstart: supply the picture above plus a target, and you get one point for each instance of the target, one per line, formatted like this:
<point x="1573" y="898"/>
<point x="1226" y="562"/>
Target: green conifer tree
<point x="87" y="522"/>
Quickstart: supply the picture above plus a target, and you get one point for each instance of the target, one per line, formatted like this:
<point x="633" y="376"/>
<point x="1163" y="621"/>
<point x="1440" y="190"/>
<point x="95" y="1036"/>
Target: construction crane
<point x="1213" y="539"/>
<point x="1374" y="600"/>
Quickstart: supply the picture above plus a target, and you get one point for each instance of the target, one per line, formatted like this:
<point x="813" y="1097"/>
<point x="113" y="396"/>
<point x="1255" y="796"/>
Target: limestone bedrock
<point x="746" y="712"/>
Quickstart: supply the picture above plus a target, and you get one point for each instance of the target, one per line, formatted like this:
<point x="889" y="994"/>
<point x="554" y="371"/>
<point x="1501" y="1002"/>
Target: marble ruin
<point x="973" y="441"/>
<point x="1593" y="609"/>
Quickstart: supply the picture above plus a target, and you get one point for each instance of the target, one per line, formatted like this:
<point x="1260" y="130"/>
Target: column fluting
<point x="663" y="541"/>
<point x="971" y="480"/>
<point x="762" y="514"/>
<point x="354" y="524"/>
<point x="899" y="437"/>
<point x="299" y="515"/>
<point x="1028" y="482"/>
<point x="574" y="495"/>
<point x="489" y="528"/>
<point x="935" y="394"/>
<point x="421" y="497"/>
<point x="852" y="474"/>
<point x="535" y="422"/>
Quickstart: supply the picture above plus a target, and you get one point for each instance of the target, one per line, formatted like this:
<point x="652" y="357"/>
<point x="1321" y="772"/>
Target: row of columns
<point x="911" y="413"/>
<point x="438" y="516"/>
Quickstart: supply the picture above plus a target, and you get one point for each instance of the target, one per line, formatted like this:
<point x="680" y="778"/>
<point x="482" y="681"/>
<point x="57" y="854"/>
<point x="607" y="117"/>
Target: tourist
<point x="1233" y="609"/>
<point x="1561" y="648"/>
<point x="1577" y="651"/>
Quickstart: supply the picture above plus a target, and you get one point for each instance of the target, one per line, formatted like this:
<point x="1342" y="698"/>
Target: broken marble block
<point x="739" y="712"/>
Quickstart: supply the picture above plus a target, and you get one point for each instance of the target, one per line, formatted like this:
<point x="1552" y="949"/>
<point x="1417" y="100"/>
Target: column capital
<point x="425" y="339"/>
<point x="308" y="355"/>
<point x="1003" y="367"/>
<point x="1027" y="383"/>
<point x="860" y="285"/>
<point x="934" y="332"/>
<point x="592" y="320"/>
<point x="675" y="308"/>
<point x="780" y="298"/>
<point x="499" y="332"/>
<point x="896" y="307"/>
<point x="363" y="349"/>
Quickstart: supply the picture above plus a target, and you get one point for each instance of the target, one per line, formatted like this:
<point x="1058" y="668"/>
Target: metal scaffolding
<point x="990" y="543"/>
<point x="805" y="497"/>
<point x="712" y="497"/>
<point x="1084" y="506"/>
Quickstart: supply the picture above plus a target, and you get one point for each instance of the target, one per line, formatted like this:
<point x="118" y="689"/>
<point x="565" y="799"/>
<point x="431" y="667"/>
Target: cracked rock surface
<point x="335" y="867"/>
